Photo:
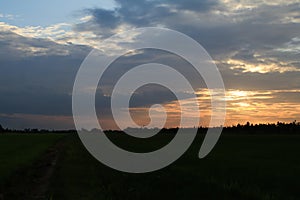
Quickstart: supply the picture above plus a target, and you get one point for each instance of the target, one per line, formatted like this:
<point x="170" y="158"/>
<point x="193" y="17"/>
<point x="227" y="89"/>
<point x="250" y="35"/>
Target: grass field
<point x="239" y="167"/>
<point x="18" y="152"/>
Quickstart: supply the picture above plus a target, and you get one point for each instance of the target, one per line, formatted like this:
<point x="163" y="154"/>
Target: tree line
<point x="247" y="128"/>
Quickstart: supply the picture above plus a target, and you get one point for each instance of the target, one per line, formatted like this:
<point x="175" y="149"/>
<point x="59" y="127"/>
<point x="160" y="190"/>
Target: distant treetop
<point x="1" y="128"/>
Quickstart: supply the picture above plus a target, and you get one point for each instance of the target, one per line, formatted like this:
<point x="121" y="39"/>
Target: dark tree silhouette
<point x="1" y="129"/>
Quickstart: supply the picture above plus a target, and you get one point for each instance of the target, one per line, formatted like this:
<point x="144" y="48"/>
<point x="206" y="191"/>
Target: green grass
<point x="21" y="150"/>
<point x="239" y="167"/>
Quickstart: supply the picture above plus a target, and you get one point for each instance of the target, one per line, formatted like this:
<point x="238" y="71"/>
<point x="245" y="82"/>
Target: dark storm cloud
<point x="102" y="23"/>
<point x="37" y="82"/>
<point x="106" y="18"/>
<point x="257" y="81"/>
<point x="136" y="13"/>
<point x="146" y="13"/>
<point x="198" y="6"/>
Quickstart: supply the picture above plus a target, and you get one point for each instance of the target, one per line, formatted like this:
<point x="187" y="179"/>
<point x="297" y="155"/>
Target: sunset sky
<point x="254" y="43"/>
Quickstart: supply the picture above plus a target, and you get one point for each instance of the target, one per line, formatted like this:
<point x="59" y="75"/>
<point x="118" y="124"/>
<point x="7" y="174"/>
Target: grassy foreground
<point x="240" y="167"/>
<point x="20" y="150"/>
<point x="21" y="171"/>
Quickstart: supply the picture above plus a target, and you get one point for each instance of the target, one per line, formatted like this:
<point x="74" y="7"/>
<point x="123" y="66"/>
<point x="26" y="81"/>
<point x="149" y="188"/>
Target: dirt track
<point x="32" y="182"/>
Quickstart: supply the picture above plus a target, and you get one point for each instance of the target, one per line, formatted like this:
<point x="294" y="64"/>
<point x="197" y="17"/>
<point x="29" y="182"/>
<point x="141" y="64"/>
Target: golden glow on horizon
<point x="242" y="106"/>
<point x="254" y="106"/>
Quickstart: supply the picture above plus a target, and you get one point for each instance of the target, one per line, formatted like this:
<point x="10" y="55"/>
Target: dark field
<point x="239" y="167"/>
<point x="19" y="157"/>
<point x="20" y="150"/>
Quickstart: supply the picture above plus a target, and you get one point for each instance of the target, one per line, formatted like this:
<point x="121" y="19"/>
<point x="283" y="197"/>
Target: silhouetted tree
<point x="1" y="129"/>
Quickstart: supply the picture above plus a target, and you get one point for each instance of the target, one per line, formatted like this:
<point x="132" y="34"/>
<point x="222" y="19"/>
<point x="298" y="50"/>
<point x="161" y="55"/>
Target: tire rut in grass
<point x="33" y="182"/>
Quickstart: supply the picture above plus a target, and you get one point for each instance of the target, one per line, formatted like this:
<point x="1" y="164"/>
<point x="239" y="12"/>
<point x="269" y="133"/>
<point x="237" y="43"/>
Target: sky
<point x="254" y="43"/>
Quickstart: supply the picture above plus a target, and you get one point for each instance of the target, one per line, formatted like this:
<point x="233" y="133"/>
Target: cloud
<point x="256" y="106"/>
<point x="293" y="46"/>
<point x="50" y="32"/>
<point x="261" y="67"/>
<point x="106" y="18"/>
<point x="255" y="44"/>
<point x="37" y="75"/>
<point x="16" y="46"/>
<point x="251" y="41"/>
<point x="9" y="16"/>
<point x="223" y="27"/>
